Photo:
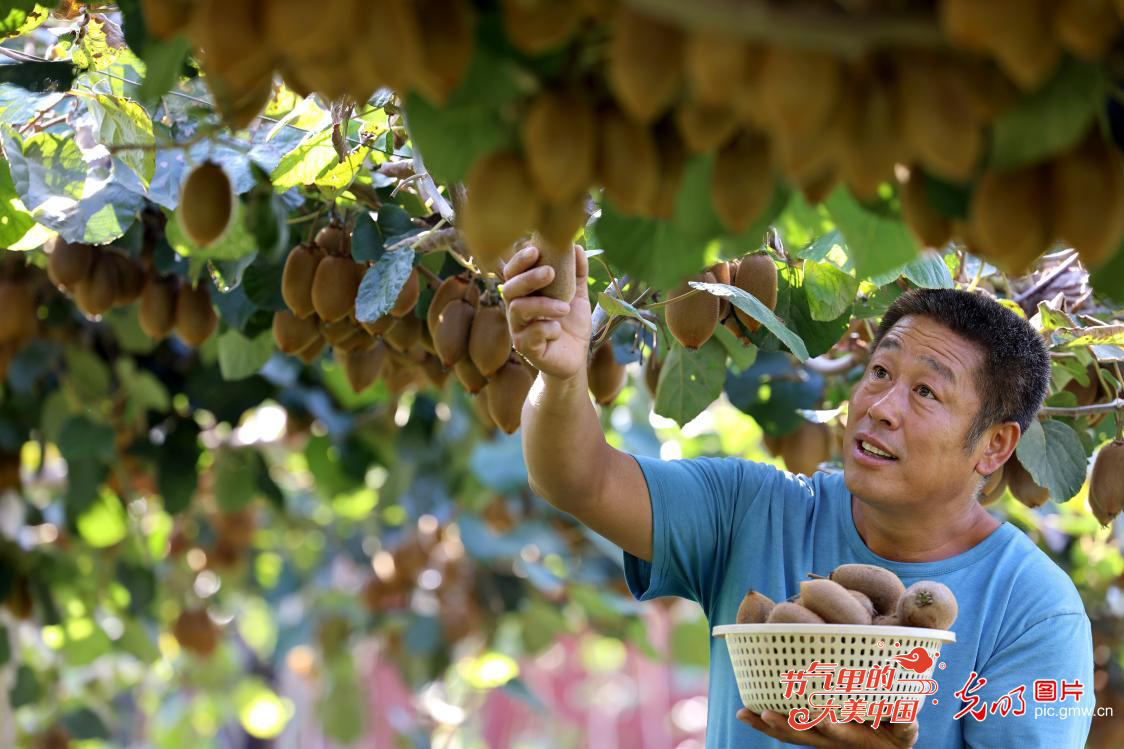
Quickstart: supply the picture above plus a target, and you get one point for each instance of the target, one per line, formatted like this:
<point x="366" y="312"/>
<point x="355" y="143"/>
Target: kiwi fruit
<point x="886" y="620"/>
<point x="1087" y="199"/>
<point x="1086" y="28"/>
<point x="453" y="327"/>
<point x="18" y="320"/>
<point x="391" y="48"/>
<point x="716" y="63"/>
<point x="206" y="203"/>
<point x="453" y="287"/>
<point x="937" y="115"/>
<point x="644" y="69"/>
<point x="723" y="272"/>
<point x="448" y="37"/>
<point x="537" y="26"/>
<point x="403" y="335"/>
<point x="195" y="632"/>
<point x="379" y="326"/>
<point x="1019" y="35"/>
<point x="804" y="449"/>
<point x="881" y="586"/>
<point x="673" y="162"/>
<point x="792" y="613"/>
<point x="502" y="204"/>
<point x="754" y="608"/>
<point x="1106" y="484"/>
<point x="335" y="333"/>
<point x="195" y="318"/>
<point x="995" y="484"/>
<point x="165" y="18"/>
<point x="292" y="333"/>
<point x="506" y="392"/>
<point x="1022" y="486"/>
<point x="297" y="277"/>
<point x="469" y="376"/>
<point x="864" y="602"/>
<point x="356" y="339"/>
<point x="130" y="279"/>
<point x="929" y="227"/>
<point x="692" y="320"/>
<point x="607" y="376"/>
<point x="489" y="342"/>
<point x="97" y="292"/>
<point x="408" y="296"/>
<point x="756" y="275"/>
<point x="799" y="89"/>
<point x="560" y="257"/>
<point x="704" y="127"/>
<point x="652" y="367"/>
<point x="832" y="602"/>
<point x="157" y="309"/>
<point x="334" y="287"/>
<point x="309" y="353"/>
<point x="742" y="182"/>
<point x="1008" y="217"/>
<point x="333" y="240"/>
<point x="480" y="406"/>
<point x="927" y="604"/>
<point x="68" y="263"/>
<point x="628" y="163"/>
<point x="873" y="136"/>
<point x="559" y="137"/>
<point x="362" y="368"/>
<point x="435" y="372"/>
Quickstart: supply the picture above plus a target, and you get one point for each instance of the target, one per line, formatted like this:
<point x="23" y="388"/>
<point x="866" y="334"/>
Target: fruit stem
<point x="814" y="576"/>
<point x="616" y="284"/>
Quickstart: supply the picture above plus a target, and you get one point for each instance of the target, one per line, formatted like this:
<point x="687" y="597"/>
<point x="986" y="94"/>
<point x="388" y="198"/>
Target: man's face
<point x="916" y="400"/>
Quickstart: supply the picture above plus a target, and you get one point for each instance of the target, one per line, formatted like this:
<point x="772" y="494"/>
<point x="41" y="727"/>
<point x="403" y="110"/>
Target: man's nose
<point x="887" y="408"/>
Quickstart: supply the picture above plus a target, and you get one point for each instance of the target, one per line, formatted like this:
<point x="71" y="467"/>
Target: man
<point x="952" y="382"/>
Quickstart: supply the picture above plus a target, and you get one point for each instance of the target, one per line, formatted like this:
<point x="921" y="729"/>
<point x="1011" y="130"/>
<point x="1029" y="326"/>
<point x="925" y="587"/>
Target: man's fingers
<point x="581" y="266"/>
<point x="527" y="309"/>
<point x="532" y="340"/>
<point x="777" y="727"/>
<point x="520" y="261"/>
<point x="528" y="282"/>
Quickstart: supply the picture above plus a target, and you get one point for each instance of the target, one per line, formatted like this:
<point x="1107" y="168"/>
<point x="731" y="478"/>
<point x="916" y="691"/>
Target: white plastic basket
<point x="762" y="653"/>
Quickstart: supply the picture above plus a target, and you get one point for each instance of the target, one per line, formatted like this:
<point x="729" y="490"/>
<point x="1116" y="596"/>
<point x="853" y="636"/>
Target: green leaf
<point x="653" y="251"/>
<point x="39" y="76"/>
<point x="929" y="271"/>
<point x="618" y="308"/>
<point x="235" y="477"/>
<point x="306" y="162"/>
<point x="104" y="524"/>
<point x="177" y="476"/>
<point x="1105" y="335"/>
<point x="690" y="381"/>
<point x="15" y="221"/>
<point x="82" y="439"/>
<point x="1108" y="280"/>
<point x="27" y="690"/>
<point x="240" y="357"/>
<point x="5" y="646"/>
<point x="163" y="62"/>
<point x="382" y="283"/>
<point x="123" y="122"/>
<point x="18" y="17"/>
<point x="338" y="176"/>
<point x="366" y="239"/>
<point x="875" y="243"/>
<point x="1051" y="451"/>
<point x="830" y="290"/>
<point x="140" y="581"/>
<point x="742" y="355"/>
<point x="84" y="724"/>
<point x="1050" y="120"/>
<point x="95" y="50"/>
<point x="750" y="305"/>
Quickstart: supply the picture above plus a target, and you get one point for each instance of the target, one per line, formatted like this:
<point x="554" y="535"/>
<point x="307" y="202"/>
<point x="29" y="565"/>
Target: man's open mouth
<point x="873" y="451"/>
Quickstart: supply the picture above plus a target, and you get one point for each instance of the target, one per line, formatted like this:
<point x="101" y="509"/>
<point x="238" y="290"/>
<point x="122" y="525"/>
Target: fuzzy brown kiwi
<point x="873" y="136"/>
<point x="879" y="584"/>
<point x="97" y="292"/>
<point x="562" y="259"/>
<point x="994" y="486"/>
<point x="403" y="335"/>
<point x="1022" y="486"/>
<point x="799" y="89"/>
<point x="469" y="376"/>
<point x="292" y="333"/>
<point x="673" y="162"/>
<point x="309" y="353"/>
<point x="195" y="632"/>
<point x="628" y="162"/>
<point x="333" y="240"/>
<point x="407" y="296"/>
<point x="644" y="69"/>
<point x="507" y="390"/>
<point x="453" y="327"/>
<point x="931" y="228"/>
<point x="334" y="287"/>
<point x="1009" y="217"/>
<point x="357" y="339"/>
<point x="1087" y="199"/>
<point x="335" y="333"/>
<point x="18" y="319"/>
<point x="716" y="63"/>
<point x="489" y="343"/>
<point x="68" y="263"/>
<point x="480" y="406"/>
<point x="1087" y="27"/>
<point x="652" y="367"/>
<point x="927" y="604"/>
<point x="1106" y="483"/>
<point x="1026" y="45"/>
<point x="195" y="318"/>
<point x="363" y="367"/>
<point x="536" y="26"/>
<point x="692" y="321"/>
<point x="938" y="122"/>
<point x="297" y="277"/>
<point x="742" y="182"/>
<point x="502" y="204"/>
<point x="157" y="309"/>
<point x="560" y="222"/>
<point x="453" y="287"/>
<point x="448" y="39"/>
<point x="206" y="203"/>
<point x="864" y="601"/>
<point x="165" y="18"/>
<point x="886" y="620"/>
<point x="435" y="372"/>
<point x="832" y="602"/>
<point x="379" y="326"/>
<point x="723" y="273"/>
<point x="754" y="608"/>
<point x="787" y="612"/>
<point x="807" y="447"/>
<point x="130" y="275"/>
<point x="391" y="51"/>
<point x="559" y="136"/>
<point x="756" y="275"/>
<point x="606" y="375"/>
<point x="705" y="127"/>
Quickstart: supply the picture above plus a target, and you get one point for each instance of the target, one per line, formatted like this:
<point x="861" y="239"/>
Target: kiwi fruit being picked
<point x="756" y="275"/>
<point x="157" y="309"/>
<point x="297" y="277"/>
<point x="206" y="203"/>
<point x="454" y="325"/>
<point x="742" y="182"/>
<point x="832" y="602"/>
<point x="804" y="449"/>
<point x="927" y="604"/>
<point x="792" y="613"/>
<point x="879" y="584"/>
<point x="559" y="137"/>
<point x="693" y="319"/>
<point x="645" y="64"/>
<point x="195" y="318"/>
<point x="1106" y="484"/>
<point x="561" y="258"/>
<point x="560" y="222"/>
<point x="489" y="342"/>
<point x="607" y="376"/>
<point x="335" y="286"/>
<point x="754" y="608"/>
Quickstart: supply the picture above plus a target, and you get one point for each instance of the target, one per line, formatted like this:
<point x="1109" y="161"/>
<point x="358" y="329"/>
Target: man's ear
<point x="998" y="445"/>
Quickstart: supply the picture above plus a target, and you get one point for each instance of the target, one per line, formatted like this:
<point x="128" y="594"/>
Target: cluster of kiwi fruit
<point x="693" y="319"/>
<point x="336" y="48"/>
<point x="856" y="594"/>
<point x="103" y="277"/>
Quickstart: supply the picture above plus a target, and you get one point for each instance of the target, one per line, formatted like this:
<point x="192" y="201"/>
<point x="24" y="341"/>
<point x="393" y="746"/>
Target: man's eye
<point x="923" y="389"/>
<point x="877" y="370"/>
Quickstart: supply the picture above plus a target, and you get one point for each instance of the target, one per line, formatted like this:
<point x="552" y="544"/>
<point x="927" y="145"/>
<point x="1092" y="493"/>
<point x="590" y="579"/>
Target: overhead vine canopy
<point x="251" y="313"/>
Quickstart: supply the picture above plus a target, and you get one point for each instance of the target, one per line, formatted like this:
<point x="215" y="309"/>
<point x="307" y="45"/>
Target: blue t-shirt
<point x="724" y="525"/>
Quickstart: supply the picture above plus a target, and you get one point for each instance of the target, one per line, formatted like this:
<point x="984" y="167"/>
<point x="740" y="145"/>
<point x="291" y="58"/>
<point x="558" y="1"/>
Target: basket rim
<point x="945" y="635"/>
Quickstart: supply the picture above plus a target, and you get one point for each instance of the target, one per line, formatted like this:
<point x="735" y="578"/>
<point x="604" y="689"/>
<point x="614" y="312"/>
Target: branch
<point x="830" y="367"/>
<point x="1096" y="408"/>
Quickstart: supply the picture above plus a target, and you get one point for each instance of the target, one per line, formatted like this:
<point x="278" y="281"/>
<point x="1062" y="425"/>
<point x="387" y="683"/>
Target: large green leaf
<point x="753" y="307"/>
<point x="21" y="16"/>
<point x="382" y="283"/>
<point x="163" y="61"/>
<point x="690" y="381"/>
<point x="830" y="290"/>
<point x="15" y="221"/>
<point x="1051" y="451"/>
<point x="123" y="122"/>
<point x="876" y="243"/>
<point x="240" y="357"/>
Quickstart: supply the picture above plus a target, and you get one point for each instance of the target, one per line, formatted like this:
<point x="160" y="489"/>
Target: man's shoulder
<point x="1038" y="584"/>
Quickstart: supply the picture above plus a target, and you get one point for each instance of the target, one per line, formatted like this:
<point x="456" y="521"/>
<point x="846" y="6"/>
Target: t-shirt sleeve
<point x="1054" y="650"/>
<point x="698" y="508"/>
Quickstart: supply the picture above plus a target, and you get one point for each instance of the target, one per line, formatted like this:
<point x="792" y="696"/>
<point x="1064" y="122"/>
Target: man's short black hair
<point x="1014" y="379"/>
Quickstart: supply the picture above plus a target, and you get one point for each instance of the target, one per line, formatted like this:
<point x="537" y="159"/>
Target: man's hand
<point x="552" y="335"/>
<point x="828" y="735"/>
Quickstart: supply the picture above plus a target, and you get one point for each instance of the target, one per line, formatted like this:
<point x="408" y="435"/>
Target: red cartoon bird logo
<point x="917" y="660"/>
